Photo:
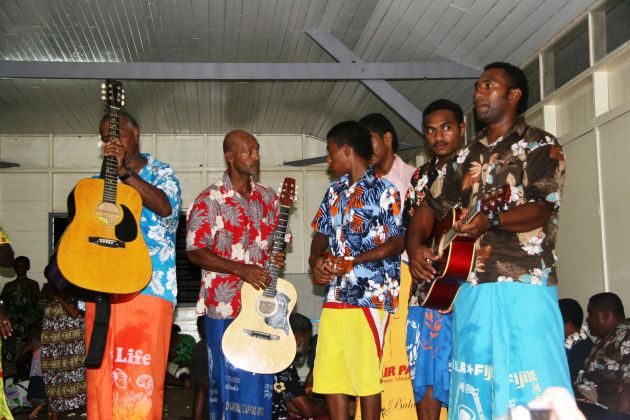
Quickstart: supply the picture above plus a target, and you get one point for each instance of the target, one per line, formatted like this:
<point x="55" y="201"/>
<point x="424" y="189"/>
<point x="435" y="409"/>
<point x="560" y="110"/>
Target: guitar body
<point x="452" y="269"/>
<point x="260" y="339"/>
<point x="102" y="248"/>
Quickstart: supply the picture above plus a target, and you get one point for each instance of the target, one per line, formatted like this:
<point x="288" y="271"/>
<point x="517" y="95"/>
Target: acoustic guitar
<point x="260" y="339"/>
<point x="102" y="248"/>
<point x="457" y="252"/>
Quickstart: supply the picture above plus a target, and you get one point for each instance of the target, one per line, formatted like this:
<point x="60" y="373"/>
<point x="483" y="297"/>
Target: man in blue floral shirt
<point x="360" y="220"/>
<point x="130" y="380"/>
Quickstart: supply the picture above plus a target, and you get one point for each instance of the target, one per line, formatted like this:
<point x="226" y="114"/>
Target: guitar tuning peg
<point x="103" y="97"/>
<point x="122" y="103"/>
<point x="103" y="86"/>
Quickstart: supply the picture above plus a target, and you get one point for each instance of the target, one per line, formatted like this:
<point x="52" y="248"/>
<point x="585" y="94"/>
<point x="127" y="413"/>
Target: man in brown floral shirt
<point x="506" y="315"/>
<point x="604" y="382"/>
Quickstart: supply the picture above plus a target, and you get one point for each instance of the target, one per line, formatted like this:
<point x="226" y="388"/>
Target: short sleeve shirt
<point x="159" y="232"/>
<point x="531" y="162"/>
<point x="357" y="218"/>
<point x="607" y="369"/>
<point x="286" y="387"/>
<point x="422" y="181"/>
<point x="234" y="228"/>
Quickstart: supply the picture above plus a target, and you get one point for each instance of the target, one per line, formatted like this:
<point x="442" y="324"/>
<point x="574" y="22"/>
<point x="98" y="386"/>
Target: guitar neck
<point x="110" y="162"/>
<point x="278" y="245"/>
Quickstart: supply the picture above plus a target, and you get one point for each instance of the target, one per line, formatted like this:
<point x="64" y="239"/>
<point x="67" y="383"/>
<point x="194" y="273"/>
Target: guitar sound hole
<point x="266" y="306"/>
<point x="108" y="213"/>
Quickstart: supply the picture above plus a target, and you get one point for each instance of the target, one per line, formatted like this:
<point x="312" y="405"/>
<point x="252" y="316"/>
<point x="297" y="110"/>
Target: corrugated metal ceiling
<point x="471" y="32"/>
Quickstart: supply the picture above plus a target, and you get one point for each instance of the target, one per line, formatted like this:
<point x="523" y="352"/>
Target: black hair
<point x="607" y="301"/>
<point x="175" y="329"/>
<point x="517" y="80"/>
<point x="300" y="323"/>
<point x="441" y="104"/>
<point x="379" y="124"/>
<point x="355" y="135"/>
<point x="201" y="327"/>
<point x="571" y="312"/>
<point x="22" y="258"/>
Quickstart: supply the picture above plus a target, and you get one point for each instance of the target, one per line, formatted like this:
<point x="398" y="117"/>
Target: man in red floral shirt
<point x="230" y="233"/>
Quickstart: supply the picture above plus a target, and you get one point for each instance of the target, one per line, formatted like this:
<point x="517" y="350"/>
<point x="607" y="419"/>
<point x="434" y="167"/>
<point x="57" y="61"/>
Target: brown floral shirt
<point x="531" y="162"/>
<point x="607" y="369"/>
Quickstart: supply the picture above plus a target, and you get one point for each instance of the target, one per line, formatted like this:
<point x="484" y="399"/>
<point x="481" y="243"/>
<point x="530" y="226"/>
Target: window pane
<point x="617" y="23"/>
<point x="532" y="71"/>
<point x="570" y="55"/>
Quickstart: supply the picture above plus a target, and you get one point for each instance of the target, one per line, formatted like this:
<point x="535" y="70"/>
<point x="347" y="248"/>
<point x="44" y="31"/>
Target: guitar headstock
<point x="113" y="94"/>
<point x="288" y="192"/>
<point x="495" y="199"/>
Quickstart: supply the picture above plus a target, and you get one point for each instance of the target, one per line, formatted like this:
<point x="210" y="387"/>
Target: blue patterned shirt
<point x="159" y="232"/>
<point x="357" y="218"/>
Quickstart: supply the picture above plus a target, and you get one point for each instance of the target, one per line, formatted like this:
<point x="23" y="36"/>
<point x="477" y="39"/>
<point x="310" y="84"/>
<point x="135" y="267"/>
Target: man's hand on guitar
<point x="116" y="149"/>
<point x="278" y="259"/>
<point x="321" y="275"/>
<point x="420" y="263"/>
<point x="255" y="275"/>
<point x="337" y="265"/>
<point x="475" y="228"/>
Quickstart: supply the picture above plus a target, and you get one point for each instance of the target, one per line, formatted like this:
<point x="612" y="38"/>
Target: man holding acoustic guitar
<point x="231" y="227"/>
<point x="130" y="381"/>
<point x="429" y="337"/>
<point x="507" y="329"/>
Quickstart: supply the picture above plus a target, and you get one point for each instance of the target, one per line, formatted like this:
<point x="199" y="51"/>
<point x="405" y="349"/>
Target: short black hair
<point x="379" y="124"/>
<point x="23" y="259"/>
<point x="607" y="301"/>
<point x="355" y="135"/>
<point x="517" y="80"/>
<point x="571" y="312"/>
<point x="441" y="104"/>
<point x="300" y="324"/>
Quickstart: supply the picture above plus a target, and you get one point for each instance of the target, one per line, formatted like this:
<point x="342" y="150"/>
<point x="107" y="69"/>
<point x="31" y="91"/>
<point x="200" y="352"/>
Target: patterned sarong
<point x="508" y="347"/>
<point x="130" y="382"/>
<point x="234" y="393"/>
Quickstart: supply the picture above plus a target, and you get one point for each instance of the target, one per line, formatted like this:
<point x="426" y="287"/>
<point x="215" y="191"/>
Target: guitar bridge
<point x="106" y="242"/>
<point x="261" y="335"/>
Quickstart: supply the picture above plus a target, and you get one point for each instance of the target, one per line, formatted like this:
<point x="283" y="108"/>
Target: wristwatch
<point x="495" y="222"/>
<point x="126" y="175"/>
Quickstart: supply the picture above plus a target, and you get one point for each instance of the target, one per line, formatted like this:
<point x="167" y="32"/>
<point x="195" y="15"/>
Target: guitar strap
<point x="98" y="340"/>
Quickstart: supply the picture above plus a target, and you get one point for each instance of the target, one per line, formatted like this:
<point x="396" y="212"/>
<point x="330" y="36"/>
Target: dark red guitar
<point x="456" y="252"/>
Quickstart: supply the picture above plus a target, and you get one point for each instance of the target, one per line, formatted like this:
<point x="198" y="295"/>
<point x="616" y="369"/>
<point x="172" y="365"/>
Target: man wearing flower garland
<point x="506" y="316"/>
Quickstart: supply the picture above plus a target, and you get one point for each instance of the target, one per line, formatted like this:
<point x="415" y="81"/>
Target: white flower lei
<point x="574" y="338"/>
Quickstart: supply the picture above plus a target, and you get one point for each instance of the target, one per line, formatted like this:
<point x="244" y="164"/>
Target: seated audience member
<point x="199" y="375"/>
<point x="577" y="344"/>
<point x="603" y="385"/>
<point x="180" y="353"/>
<point x="289" y="399"/>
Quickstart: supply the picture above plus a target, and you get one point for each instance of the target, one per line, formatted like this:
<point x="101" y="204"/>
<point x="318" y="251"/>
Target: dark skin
<point x="126" y="150"/>
<point x="602" y="322"/>
<point x="344" y="160"/>
<point x="496" y="106"/>
<point x="243" y="160"/>
<point x="200" y="400"/>
<point x="444" y="137"/>
<point x="383" y="158"/>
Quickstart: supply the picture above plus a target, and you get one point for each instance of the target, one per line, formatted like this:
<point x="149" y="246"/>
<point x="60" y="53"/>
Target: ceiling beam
<point x="383" y="90"/>
<point x="235" y="71"/>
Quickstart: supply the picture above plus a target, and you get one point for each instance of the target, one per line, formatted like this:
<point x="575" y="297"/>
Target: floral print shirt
<point x="159" y="232"/>
<point x="286" y="387"/>
<point x="607" y="369"/>
<point x="531" y="162"/>
<point x="422" y="181"/>
<point x="357" y="218"/>
<point x="234" y="228"/>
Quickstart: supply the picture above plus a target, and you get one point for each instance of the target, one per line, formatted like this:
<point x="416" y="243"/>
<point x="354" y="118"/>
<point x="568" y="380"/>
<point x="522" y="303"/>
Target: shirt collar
<point x="517" y="129"/>
<point x="227" y="183"/>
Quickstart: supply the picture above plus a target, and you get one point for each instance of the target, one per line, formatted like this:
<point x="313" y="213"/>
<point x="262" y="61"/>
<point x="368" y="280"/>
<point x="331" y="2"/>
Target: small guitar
<point x="456" y="252"/>
<point x="102" y="248"/>
<point x="260" y="339"/>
